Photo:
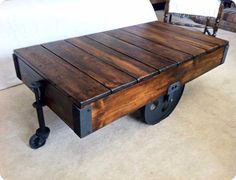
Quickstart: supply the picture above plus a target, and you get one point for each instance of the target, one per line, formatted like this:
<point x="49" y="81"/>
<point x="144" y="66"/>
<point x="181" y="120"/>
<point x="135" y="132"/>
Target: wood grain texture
<point x="128" y="65"/>
<point x="104" y="73"/>
<point x="126" y="101"/>
<point x="150" y="46"/>
<point x="181" y="37"/>
<point x="133" y="51"/>
<point x="193" y="34"/>
<point x="76" y="84"/>
<point x="118" y="71"/>
<point x="165" y="39"/>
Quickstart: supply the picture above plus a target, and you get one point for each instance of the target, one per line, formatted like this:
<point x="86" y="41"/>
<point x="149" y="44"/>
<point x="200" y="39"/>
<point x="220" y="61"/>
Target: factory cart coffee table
<point x="91" y="81"/>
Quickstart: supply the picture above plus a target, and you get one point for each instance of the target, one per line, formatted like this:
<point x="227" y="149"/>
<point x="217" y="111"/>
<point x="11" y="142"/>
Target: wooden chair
<point x="208" y="26"/>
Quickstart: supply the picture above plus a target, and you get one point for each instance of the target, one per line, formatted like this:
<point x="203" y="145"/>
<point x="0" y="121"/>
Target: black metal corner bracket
<point x="173" y="87"/>
<point x="17" y="67"/>
<point x="225" y="54"/>
<point x="82" y="121"/>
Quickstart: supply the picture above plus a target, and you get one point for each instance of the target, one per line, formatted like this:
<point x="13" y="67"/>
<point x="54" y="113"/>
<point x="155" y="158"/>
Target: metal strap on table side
<point x="225" y="54"/>
<point x="17" y="68"/>
<point x="82" y="121"/>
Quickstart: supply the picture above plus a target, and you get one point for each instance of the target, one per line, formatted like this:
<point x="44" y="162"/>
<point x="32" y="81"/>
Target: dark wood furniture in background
<point x="228" y="22"/>
<point x="208" y="25"/>
<point x="228" y="3"/>
<point x="93" y="80"/>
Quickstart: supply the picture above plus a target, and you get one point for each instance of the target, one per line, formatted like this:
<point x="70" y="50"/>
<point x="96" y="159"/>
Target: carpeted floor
<point x="198" y="141"/>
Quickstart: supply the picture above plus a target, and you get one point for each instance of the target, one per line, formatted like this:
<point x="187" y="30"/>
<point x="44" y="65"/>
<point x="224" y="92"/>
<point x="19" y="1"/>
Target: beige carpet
<point x="198" y="141"/>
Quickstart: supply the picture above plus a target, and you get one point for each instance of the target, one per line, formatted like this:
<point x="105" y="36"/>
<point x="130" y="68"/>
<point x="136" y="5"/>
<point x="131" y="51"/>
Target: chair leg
<point x="216" y="27"/>
<point x="170" y="18"/>
<point x="165" y="18"/>
<point x="206" y="27"/>
<point x="166" y="12"/>
<point x="217" y="22"/>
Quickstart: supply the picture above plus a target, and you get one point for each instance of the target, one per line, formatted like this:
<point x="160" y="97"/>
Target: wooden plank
<point x="126" y="101"/>
<point x="165" y="40"/>
<point x="135" y="52"/>
<point x="150" y="46"/>
<point x="104" y="73"/>
<point x="186" y="32"/>
<point x="73" y="82"/>
<point x="129" y="65"/>
<point x="186" y="39"/>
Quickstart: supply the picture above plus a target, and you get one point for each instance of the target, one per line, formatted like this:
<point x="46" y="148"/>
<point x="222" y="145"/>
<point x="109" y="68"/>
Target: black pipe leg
<point x="42" y="133"/>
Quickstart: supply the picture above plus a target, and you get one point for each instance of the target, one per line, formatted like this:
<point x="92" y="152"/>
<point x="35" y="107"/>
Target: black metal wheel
<point x="161" y="108"/>
<point x="39" y="138"/>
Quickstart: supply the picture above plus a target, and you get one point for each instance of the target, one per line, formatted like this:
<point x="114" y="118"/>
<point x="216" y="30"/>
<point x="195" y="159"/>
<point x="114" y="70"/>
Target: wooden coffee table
<point x="93" y="80"/>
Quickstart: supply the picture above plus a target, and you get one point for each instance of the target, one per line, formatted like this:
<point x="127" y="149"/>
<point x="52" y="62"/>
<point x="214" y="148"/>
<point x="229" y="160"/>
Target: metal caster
<point x="39" y="138"/>
<point x="158" y="110"/>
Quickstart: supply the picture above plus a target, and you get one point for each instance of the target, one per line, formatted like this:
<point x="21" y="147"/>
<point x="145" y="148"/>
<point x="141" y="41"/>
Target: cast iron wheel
<point x="39" y="138"/>
<point x="158" y="110"/>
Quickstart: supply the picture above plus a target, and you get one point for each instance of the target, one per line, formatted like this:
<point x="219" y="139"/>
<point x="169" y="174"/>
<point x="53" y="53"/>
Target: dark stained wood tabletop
<point x="92" y="67"/>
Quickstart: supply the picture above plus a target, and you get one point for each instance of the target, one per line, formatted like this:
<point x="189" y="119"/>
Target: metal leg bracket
<point x="42" y="133"/>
